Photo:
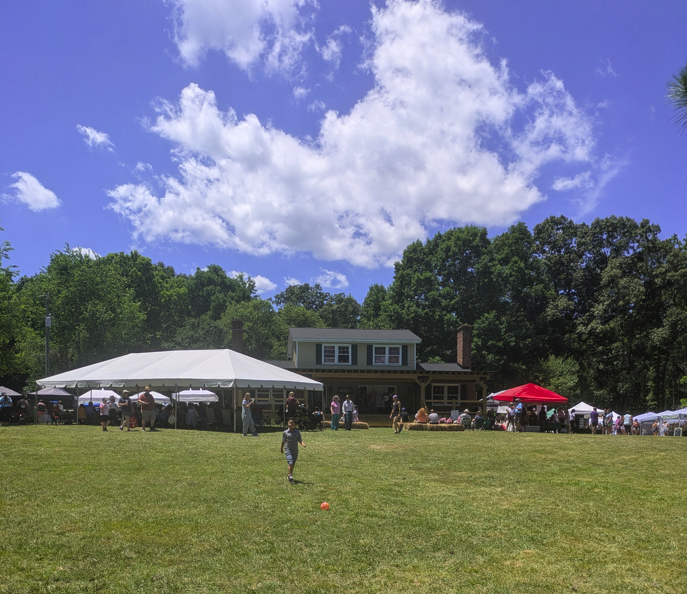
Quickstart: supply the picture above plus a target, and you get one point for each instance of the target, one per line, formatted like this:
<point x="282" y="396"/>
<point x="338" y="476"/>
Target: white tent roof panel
<point x="188" y="369"/>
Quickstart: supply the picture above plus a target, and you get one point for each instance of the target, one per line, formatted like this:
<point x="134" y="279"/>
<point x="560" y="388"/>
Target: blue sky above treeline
<point x="302" y="141"/>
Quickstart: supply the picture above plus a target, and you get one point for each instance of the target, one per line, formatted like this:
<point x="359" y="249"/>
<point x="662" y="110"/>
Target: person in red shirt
<point x="292" y="405"/>
<point x="147" y="404"/>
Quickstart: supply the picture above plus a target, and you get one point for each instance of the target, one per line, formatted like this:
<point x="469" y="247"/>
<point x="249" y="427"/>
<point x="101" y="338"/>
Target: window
<point x="336" y="354"/>
<point x="445" y="394"/>
<point x="384" y="355"/>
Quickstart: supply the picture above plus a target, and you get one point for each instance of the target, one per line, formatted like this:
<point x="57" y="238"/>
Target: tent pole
<point x="176" y="405"/>
<point x="234" y="405"/>
<point x="283" y="394"/>
<point x="35" y="402"/>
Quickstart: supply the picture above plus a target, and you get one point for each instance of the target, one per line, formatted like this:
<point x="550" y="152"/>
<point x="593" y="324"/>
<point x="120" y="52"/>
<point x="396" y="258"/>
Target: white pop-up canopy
<point x="584" y="409"/>
<point x="193" y="369"/>
<point x="159" y="398"/>
<point x="96" y="396"/>
<point x="195" y="396"/>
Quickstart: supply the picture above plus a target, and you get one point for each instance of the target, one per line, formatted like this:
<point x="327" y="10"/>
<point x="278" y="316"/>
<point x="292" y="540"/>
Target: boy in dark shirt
<point x="289" y="445"/>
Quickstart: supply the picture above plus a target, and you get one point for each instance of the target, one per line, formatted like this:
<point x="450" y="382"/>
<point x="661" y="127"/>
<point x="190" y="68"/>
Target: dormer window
<point x="336" y="354"/>
<point x="387" y="355"/>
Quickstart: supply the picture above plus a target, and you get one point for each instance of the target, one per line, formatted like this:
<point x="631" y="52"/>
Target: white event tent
<point x="169" y="370"/>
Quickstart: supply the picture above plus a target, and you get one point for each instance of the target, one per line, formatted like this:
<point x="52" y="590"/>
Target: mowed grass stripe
<point x="182" y="511"/>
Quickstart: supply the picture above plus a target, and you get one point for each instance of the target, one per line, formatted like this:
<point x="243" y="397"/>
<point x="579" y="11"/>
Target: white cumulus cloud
<point x="583" y="180"/>
<point x="86" y="252"/>
<point x="300" y="93"/>
<point x="442" y="137"/>
<point x="247" y="31"/>
<point x="28" y="190"/>
<point x="331" y="279"/>
<point x="332" y="50"/>
<point x="94" y="138"/>
<point x="262" y="283"/>
<point x="290" y="281"/>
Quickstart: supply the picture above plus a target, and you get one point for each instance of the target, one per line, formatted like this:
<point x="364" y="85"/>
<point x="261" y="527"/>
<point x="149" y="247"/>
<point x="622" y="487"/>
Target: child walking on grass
<point x="289" y="445"/>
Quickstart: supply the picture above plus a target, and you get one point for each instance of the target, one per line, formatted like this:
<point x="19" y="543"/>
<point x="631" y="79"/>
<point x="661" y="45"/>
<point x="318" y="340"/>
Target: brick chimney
<point x="464" y="343"/>
<point x="237" y="336"/>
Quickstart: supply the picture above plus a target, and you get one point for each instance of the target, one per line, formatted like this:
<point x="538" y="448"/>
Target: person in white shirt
<point x="348" y="407"/>
<point x="433" y="418"/>
<point x="104" y="414"/>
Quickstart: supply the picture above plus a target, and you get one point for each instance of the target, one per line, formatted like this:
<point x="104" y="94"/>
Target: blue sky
<point x="305" y="141"/>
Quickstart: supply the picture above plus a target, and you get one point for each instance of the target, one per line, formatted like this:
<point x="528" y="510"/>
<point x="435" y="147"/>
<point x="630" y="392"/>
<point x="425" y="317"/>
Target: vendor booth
<point x="532" y="394"/>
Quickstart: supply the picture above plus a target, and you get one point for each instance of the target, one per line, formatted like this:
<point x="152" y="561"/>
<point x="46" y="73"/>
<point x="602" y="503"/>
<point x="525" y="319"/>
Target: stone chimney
<point x="237" y="336"/>
<point x="464" y="343"/>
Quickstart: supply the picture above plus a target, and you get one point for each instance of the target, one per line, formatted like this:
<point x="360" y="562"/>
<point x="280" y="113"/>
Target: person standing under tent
<point x="519" y="415"/>
<point x="5" y="409"/>
<point x="335" y="410"/>
<point x="627" y="422"/>
<point x="114" y="411"/>
<point x="510" y="415"/>
<point x="246" y="416"/>
<point x="292" y="405"/>
<point x="348" y="408"/>
<point x="146" y="402"/>
<point x="42" y="412"/>
<point x="125" y="407"/>
<point x="104" y="414"/>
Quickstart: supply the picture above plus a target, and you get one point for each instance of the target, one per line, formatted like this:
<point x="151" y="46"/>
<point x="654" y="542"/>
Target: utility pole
<point x="48" y="325"/>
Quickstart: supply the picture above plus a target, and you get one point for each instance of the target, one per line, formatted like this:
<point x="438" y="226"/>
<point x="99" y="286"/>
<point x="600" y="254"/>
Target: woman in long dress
<point x="246" y="416"/>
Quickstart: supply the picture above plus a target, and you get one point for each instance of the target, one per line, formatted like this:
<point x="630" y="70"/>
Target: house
<point x="370" y="365"/>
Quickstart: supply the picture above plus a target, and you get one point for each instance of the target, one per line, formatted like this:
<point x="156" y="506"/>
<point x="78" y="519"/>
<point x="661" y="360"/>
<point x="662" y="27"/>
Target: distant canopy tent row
<point x="221" y="368"/>
<point x="96" y="396"/>
<point x="9" y="392"/>
<point x="54" y="394"/>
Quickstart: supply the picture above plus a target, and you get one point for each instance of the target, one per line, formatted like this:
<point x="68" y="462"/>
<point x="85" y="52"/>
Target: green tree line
<point x="595" y="311"/>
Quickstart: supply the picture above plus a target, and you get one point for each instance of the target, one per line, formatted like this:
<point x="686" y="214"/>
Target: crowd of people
<point x="130" y="413"/>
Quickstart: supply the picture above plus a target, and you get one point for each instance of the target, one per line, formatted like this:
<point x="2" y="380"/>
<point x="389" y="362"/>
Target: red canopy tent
<point x="531" y="394"/>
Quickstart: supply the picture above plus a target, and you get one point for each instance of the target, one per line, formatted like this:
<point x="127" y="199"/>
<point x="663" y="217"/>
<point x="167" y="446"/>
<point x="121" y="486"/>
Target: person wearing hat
<point x="125" y="407"/>
<point x="395" y="415"/>
<point x="147" y="403"/>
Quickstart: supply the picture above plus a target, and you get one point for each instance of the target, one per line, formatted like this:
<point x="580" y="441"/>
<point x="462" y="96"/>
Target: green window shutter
<point x="354" y="354"/>
<point x="404" y="354"/>
<point x="369" y="354"/>
<point x="318" y="354"/>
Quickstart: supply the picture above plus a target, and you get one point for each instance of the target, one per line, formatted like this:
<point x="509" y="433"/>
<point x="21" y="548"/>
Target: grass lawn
<point x="188" y="511"/>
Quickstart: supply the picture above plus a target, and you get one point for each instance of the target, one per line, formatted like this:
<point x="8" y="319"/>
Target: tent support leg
<point x="234" y="406"/>
<point x="176" y="406"/>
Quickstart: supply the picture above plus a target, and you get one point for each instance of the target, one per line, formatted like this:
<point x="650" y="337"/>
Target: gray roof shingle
<point x="441" y="367"/>
<point x="341" y="334"/>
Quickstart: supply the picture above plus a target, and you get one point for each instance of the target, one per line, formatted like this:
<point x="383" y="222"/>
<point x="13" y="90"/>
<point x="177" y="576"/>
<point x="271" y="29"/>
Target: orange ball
<point x="324" y="505"/>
